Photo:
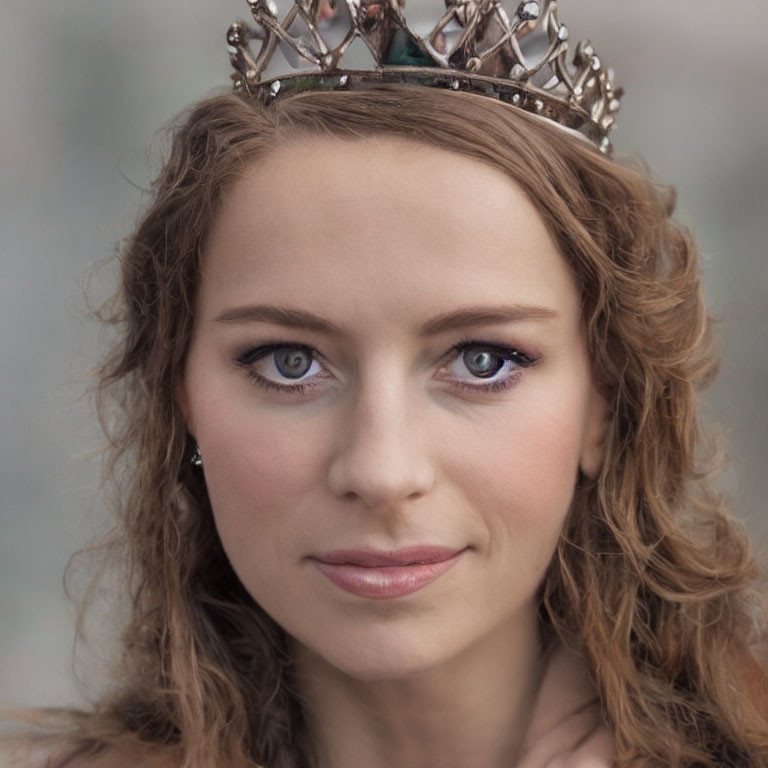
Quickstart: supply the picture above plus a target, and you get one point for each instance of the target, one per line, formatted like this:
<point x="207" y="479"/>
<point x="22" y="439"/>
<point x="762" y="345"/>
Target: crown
<point x="520" y="58"/>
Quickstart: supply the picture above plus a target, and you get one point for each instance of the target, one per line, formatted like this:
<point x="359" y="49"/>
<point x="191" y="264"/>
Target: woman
<point x="409" y="464"/>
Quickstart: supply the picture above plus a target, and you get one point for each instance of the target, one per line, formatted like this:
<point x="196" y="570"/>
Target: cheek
<point x="544" y="447"/>
<point x="520" y="475"/>
<point x="260" y="471"/>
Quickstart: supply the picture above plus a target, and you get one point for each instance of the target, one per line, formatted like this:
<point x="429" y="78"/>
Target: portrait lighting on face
<point x="391" y="440"/>
<point x="377" y="476"/>
<point x="402" y="421"/>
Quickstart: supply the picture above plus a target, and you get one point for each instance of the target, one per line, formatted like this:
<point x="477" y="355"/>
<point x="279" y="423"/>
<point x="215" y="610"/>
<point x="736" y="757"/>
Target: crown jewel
<point x="518" y="57"/>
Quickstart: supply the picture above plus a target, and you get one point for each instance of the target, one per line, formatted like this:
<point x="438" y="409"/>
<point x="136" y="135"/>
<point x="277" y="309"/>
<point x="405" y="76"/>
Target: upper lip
<point x="372" y="558"/>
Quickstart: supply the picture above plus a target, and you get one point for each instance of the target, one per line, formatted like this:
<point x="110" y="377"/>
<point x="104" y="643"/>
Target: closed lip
<point x="385" y="575"/>
<point x="377" y="558"/>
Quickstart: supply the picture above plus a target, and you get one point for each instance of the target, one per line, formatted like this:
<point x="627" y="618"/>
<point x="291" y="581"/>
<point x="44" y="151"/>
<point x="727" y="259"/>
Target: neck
<point x="472" y="709"/>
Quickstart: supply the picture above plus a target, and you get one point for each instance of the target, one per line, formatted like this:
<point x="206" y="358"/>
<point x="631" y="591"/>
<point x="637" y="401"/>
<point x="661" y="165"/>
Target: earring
<point x="197" y="459"/>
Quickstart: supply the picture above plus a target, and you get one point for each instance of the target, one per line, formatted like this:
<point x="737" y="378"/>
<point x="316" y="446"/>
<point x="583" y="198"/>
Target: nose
<point x="380" y="458"/>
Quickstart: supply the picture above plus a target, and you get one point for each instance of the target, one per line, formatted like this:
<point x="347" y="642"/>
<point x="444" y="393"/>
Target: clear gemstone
<point x="562" y="33"/>
<point x="607" y="122"/>
<point x="274" y="89"/>
<point x="528" y="11"/>
<point x="259" y="6"/>
<point x="516" y="98"/>
<point x="578" y="91"/>
<point x="596" y="64"/>
<point x="591" y="83"/>
<point x="605" y="144"/>
<point x="343" y="80"/>
<point x="539" y="105"/>
<point x="454" y="85"/>
<point x="235" y="34"/>
<point x="614" y="105"/>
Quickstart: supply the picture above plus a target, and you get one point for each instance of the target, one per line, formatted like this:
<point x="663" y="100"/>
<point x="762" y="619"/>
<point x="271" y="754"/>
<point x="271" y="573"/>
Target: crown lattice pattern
<point x="518" y="57"/>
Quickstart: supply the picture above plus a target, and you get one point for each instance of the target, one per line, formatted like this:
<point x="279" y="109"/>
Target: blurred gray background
<point x="85" y="84"/>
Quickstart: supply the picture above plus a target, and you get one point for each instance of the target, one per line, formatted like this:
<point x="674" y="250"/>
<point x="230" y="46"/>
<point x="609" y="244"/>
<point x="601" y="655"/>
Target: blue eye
<point x="292" y="361"/>
<point x="483" y="360"/>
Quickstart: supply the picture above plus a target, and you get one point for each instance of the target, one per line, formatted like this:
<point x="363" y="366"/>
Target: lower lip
<point x="385" y="582"/>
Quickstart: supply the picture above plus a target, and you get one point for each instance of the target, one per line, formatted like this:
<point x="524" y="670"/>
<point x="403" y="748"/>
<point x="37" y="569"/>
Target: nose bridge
<point x="381" y="457"/>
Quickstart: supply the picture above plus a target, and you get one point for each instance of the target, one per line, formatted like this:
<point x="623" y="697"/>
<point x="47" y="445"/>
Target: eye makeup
<point x="511" y="358"/>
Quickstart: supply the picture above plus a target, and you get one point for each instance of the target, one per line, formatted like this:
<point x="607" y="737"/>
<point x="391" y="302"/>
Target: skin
<point x="379" y="236"/>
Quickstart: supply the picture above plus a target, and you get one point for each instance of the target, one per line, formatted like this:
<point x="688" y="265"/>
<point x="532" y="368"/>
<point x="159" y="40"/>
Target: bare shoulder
<point x="119" y="760"/>
<point x="115" y="760"/>
<point x="63" y="758"/>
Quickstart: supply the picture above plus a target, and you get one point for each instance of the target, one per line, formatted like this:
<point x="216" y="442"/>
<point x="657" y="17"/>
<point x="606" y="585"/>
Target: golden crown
<point x="476" y="46"/>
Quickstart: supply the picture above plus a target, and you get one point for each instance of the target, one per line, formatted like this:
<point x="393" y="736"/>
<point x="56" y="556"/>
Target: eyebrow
<point x="462" y="318"/>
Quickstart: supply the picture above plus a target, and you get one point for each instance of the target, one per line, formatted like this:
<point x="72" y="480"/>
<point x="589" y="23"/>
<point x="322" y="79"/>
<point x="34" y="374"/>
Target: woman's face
<point x="403" y="505"/>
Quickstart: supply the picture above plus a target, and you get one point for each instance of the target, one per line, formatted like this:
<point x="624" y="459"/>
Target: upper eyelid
<point x="487" y="343"/>
<point x="508" y="351"/>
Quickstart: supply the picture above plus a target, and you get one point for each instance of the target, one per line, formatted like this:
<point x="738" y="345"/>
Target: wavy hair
<point x="652" y="580"/>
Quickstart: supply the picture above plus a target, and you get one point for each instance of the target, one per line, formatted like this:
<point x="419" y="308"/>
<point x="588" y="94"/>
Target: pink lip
<point x="384" y="575"/>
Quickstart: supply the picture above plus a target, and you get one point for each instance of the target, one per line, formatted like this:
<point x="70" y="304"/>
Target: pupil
<point x="293" y="363"/>
<point x="478" y="363"/>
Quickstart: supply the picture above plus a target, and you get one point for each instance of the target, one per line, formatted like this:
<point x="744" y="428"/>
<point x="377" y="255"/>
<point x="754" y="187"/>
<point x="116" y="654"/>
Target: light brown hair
<point x="652" y="579"/>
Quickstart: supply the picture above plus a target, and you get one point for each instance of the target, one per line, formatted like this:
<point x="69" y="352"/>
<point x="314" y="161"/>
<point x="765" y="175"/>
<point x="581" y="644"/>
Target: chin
<point x="388" y="655"/>
<point x="387" y="664"/>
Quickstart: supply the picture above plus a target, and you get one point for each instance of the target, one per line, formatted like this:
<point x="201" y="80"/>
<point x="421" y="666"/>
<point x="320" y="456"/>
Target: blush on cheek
<point x="549" y="458"/>
<point x="528" y="470"/>
<point x="254" y="471"/>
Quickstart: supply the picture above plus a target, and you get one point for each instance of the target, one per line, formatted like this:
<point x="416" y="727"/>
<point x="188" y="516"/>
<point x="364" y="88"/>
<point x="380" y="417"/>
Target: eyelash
<point x="251" y="355"/>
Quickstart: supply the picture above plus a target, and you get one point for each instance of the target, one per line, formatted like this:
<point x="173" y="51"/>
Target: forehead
<point x="385" y="219"/>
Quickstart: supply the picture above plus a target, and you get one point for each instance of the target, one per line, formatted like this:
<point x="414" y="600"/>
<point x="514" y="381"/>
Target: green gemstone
<point x="404" y="52"/>
<point x="312" y="82"/>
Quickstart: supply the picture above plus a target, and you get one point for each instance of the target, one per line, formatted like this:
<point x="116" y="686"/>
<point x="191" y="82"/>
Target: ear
<point x="595" y="429"/>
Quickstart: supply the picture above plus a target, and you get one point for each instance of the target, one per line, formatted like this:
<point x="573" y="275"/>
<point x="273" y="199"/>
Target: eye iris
<point x="292" y="362"/>
<point x="478" y="363"/>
